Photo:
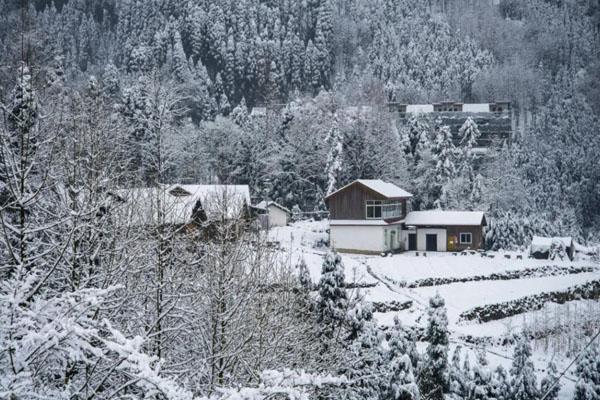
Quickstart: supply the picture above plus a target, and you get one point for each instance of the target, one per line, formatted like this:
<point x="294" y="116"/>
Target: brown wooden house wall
<point x="476" y="232"/>
<point x="350" y="203"/>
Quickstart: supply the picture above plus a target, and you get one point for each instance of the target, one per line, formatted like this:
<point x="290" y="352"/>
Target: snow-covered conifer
<point x="523" y="380"/>
<point x="434" y="373"/>
<point x="588" y="371"/>
<point x="333" y="302"/>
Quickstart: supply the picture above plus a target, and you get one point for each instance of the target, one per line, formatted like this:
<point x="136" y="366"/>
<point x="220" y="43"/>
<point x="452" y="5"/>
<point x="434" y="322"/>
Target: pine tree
<point x="550" y="386"/>
<point x="523" y="383"/>
<point x="434" y="374"/>
<point x="443" y="150"/>
<point x="457" y="379"/>
<point x="304" y="278"/>
<point x="402" y="384"/>
<point x="333" y="302"/>
<point x="588" y="372"/>
<point x="480" y="386"/>
<point x="501" y="384"/>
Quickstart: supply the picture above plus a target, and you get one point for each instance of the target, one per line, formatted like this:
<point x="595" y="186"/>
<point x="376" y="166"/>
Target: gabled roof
<point x="177" y="203"/>
<point x="261" y="206"/>
<point x="385" y="189"/>
<point x="445" y="218"/>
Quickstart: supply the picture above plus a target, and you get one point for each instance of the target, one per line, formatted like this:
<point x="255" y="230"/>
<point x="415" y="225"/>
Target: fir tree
<point x="457" y="379"/>
<point x="550" y="386"/>
<point x="501" y="384"/>
<point x="434" y="374"/>
<point x="304" y="278"/>
<point x="523" y="383"/>
<point x="588" y="372"/>
<point x="334" y="142"/>
<point x="333" y="302"/>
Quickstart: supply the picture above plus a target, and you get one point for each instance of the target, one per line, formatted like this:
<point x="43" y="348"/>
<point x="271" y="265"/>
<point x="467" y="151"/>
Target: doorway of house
<point x="412" y="241"/>
<point x="431" y="242"/>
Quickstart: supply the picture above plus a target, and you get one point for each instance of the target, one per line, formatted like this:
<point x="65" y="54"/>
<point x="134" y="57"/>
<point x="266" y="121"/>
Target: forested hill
<point x="183" y="74"/>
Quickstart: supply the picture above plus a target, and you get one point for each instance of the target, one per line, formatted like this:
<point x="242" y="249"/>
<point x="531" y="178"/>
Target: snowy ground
<point x="391" y="276"/>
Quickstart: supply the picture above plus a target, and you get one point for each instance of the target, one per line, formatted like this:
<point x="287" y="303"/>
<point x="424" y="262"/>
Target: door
<point x="431" y="242"/>
<point x="412" y="241"/>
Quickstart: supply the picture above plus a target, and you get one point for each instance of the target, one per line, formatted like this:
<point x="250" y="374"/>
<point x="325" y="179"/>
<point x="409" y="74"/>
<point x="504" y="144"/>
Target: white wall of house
<point x="441" y="238"/>
<point x="277" y="217"/>
<point x="366" y="238"/>
<point x="356" y="237"/>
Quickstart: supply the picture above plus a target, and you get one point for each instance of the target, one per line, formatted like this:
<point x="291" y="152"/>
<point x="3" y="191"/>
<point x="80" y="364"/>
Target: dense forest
<point x="187" y="73"/>
<point x="100" y="95"/>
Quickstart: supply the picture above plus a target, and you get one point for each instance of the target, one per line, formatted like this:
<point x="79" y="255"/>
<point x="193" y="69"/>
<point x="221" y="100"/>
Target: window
<point x="466" y="238"/>
<point x="373" y="209"/>
<point x="377" y="209"/>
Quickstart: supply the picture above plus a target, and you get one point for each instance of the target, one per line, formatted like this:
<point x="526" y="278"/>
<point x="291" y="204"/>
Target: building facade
<point x="373" y="216"/>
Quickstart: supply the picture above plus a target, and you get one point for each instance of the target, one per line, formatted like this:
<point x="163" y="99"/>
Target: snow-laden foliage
<point x="523" y="379"/>
<point x="588" y="372"/>
<point x="434" y="371"/>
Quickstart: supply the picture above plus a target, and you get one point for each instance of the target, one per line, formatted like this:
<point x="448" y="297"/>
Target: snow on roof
<point x="476" y="107"/>
<point x="542" y="244"/>
<point x="261" y="206"/>
<point x="362" y="222"/>
<point x="177" y="203"/>
<point x="385" y="189"/>
<point x="419" y="108"/>
<point x="444" y="218"/>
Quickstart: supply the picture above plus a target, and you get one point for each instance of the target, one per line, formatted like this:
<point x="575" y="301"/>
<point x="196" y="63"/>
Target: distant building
<point x="370" y="216"/>
<point x="271" y="214"/>
<point x="180" y="205"/>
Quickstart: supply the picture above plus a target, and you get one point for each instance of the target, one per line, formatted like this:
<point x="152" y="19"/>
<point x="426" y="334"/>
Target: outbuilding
<point x="438" y="230"/>
<point x="271" y="214"/>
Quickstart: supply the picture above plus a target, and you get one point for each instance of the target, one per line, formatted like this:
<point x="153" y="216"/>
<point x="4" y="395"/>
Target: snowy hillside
<point x="476" y="281"/>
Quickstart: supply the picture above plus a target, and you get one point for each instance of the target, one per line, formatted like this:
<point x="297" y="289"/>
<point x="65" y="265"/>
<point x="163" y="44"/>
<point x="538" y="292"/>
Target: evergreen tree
<point x="501" y="384"/>
<point x="588" y="372"/>
<point x="523" y="383"/>
<point x="468" y="134"/>
<point x="434" y="374"/>
<point x="334" y="142"/>
<point x="304" y="278"/>
<point x="550" y="386"/>
<point x="333" y="302"/>
<point x="457" y="379"/>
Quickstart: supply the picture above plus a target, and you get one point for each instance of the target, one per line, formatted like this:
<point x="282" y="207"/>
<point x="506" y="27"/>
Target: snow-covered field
<point x="392" y="275"/>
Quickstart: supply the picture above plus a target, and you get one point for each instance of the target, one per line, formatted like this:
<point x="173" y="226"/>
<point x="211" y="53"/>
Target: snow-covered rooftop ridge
<point x="439" y="217"/>
<point x="385" y="189"/>
<point x="541" y="243"/>
<point x="176" y="204"/>
<point x="261" y="205"/>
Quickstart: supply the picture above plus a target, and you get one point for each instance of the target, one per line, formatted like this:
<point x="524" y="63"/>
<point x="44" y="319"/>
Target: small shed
<point x="545" y="248"/>
<point x="272" y="214"/>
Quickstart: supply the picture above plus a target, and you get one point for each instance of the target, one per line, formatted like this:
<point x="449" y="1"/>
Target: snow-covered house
<point x="180" y="205"/>
<point x="272" y="214"/>
<point x="371" y="216"/>
<point x="367" y="216"/>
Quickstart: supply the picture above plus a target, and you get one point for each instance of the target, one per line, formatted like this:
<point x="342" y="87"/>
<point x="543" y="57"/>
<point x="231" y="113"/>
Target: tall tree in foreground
<point x="332" y="304"/>
<point x="588" y="371"/>
<point x="550" y="386"/>
<point x="523" y="383"/>
<point x="434" y="374"/>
